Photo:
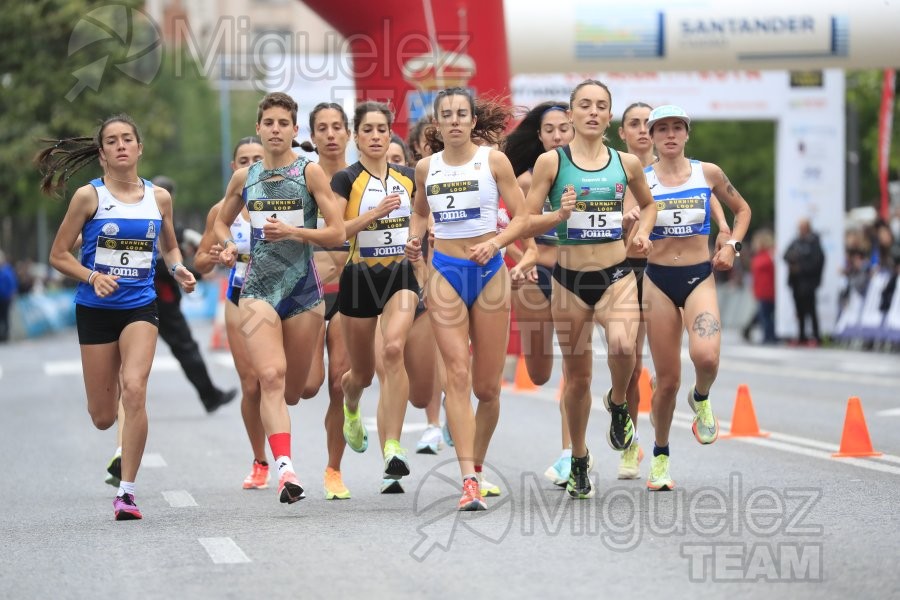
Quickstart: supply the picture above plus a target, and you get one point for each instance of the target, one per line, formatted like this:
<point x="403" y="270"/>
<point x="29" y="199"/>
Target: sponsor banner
<point x="700" y="34"/>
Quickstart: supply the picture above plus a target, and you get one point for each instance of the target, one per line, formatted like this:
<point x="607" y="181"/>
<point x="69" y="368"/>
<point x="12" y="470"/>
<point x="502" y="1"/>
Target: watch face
<point x="738" y="246"/>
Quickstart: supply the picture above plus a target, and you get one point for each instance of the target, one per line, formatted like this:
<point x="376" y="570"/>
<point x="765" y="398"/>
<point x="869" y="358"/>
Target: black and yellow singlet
<point x="383" y="242"/>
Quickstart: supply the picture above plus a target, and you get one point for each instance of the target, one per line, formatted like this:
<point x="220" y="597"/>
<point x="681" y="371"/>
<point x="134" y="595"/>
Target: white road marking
<point x="54" y="368"/>
<point x="62" y="367"/>
<point x="779" y="441"/>
<point x="802" y="445"/>
<point x="223" y="550"/>
<point x="153" y="460"/>
<point x="856" y="462"/>
<point x="891" y="412"/>
<point x="223" y="359"/>
<point x="796" y="373"/>
<point x="371" y="423"/>
<point x="179" y="498"/>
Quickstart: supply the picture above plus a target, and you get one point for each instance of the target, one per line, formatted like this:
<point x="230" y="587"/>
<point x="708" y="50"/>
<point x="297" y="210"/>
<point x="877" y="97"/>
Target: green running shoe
<point x="579" y="485"/>
<point x="395" y="463"/>
<point x="659" y="479"/>
<point x="621" y="429"/>
<point x="355" y="433"/>
<point x="706" y="425"/>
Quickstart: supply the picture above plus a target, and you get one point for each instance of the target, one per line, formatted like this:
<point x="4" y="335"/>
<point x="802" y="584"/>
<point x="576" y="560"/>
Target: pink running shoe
<point x="125" y="508"/>
<point x="289" y="488"/>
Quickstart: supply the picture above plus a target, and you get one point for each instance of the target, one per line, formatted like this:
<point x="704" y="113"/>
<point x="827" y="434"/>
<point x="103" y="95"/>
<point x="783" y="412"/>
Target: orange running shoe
<point x="334" y="486"/>
<point x="289" y="488"/>
<point x="258" y="479"/>
<point x="471" y="498"/>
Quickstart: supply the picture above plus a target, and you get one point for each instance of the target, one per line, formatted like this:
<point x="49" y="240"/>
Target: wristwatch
<point x="736" y="245"/>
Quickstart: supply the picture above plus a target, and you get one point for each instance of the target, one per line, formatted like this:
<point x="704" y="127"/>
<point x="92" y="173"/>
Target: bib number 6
<point x="123" y="259"/>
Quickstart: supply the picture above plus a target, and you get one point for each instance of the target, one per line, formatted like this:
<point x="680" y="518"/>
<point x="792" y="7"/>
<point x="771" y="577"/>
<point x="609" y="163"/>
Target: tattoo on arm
<point x="728" y="187"/>
<point x="706" y="325"/>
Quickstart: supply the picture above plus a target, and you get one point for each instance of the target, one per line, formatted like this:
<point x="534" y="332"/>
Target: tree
<point x="864" y="98"/>
<point x="65" y="65"/>
<point x="746" y="152"/>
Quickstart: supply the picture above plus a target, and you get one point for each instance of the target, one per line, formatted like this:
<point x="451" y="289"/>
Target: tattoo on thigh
<point x="706" y="325"/>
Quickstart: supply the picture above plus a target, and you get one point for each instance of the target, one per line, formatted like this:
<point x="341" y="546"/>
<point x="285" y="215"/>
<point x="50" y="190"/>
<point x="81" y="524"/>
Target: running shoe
<point x="258" y="479"/>
<point x="114" y="471"/>
<point x="391" y="486"/>
<point x="659" y="479"/>
<point x="395" y="463"/>
<point x="579" y="484"/>
<point x="289" y="488"/>
<point x="125" y="508"/>
<point x="621" y="429"/>
<point x="431" y="440"/>
<point x="630" y="461"/>
<point x="471" y="496"/>
<point x="706" y="425"/>
<point x="334" y="486"/>
<point x="445" y="431"/>
<point x="558" y="472"/>
<point x="488" y="489"/>
<point x="355" y="433"/>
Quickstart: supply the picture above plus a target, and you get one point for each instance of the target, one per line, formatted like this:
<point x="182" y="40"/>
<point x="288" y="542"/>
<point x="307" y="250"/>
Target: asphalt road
<point x="773" y="517"/>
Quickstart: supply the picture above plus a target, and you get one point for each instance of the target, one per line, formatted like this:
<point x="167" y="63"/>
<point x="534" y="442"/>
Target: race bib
<point x="680" y="216"/>
<point x="454" y="201"/>
<point x="595" y="220"/>
<point x="129" y="259"/>
<point x="286" y="210"/>
<point x="384" y="237"/>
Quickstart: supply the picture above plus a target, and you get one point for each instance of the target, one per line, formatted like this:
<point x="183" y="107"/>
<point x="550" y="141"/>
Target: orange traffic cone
<point x="219" y="339"/>
<point x="855" y="440"/>
<point x="743" y="420"/>
<point x="523" y="381"/>
<point x="645" y="391"/>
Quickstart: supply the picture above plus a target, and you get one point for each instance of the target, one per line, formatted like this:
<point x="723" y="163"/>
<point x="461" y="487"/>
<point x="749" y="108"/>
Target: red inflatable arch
<point x="405" y="50"/>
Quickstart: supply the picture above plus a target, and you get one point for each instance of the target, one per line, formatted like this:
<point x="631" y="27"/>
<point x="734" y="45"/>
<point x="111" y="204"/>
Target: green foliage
<point x="864" y="97"/>
<point x="746" y="152"/>
<point x="178" y="117"/>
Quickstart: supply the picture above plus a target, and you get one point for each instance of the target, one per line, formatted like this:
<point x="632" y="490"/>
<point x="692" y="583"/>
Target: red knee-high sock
<point x="280" y="443"/>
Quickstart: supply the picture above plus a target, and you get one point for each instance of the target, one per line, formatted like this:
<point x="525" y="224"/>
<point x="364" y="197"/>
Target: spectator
<point x="805" y="261"/>
<point x="882" y="245"/>
<point x="8" y="287"/>
<point x="762" y="266"/>
<point x="174" y="330"/>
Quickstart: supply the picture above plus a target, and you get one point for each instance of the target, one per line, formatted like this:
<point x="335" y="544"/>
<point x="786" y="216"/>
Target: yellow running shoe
<point x="630" y="461"/>
<point x="355" y="433"/>
<point x="706" y="425"/>
<point x="659" y="474"/>
<point x="488" y="489"/>
<point x="395" y="463"/>
<point x="334" y="486"/>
